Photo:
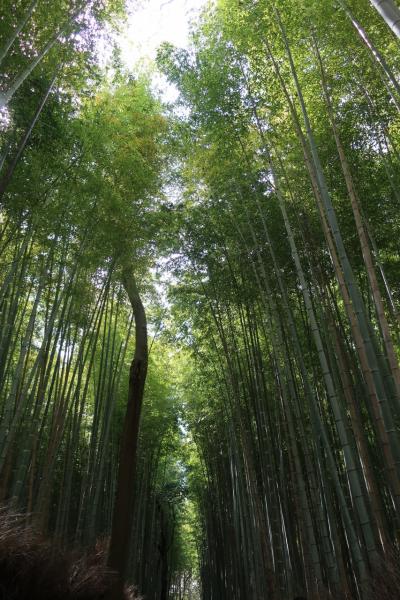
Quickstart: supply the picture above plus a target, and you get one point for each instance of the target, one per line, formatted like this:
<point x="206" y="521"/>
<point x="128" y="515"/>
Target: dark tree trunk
<point x="163" y="549"/>
<point x="122" y="515"/>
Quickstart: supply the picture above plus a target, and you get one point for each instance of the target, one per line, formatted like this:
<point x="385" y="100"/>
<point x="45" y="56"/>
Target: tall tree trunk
<point x="390" y="12"/>
<point x="6" y="95"/>
<point x="9" y="42"/>
<point x="362" y="234"/>
<point x="122" y="515"/>
<point x="375" y="55"/>
<point x="24" y="140"/>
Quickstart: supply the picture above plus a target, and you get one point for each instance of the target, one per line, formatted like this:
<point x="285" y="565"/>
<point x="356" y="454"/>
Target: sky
<point x="152" y="22"/>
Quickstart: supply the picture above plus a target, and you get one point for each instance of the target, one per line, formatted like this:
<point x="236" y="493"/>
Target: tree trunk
<point x="375" y="54"/>
<point x="390" y="12"/>
<point x="24" y="140"/>
<point x="21" y="24"/>
<point x="122" y="515"/>
<point x="6" y="95"/>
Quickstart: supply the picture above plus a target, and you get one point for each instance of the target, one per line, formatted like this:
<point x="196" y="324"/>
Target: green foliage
<point x="269" y="444"/>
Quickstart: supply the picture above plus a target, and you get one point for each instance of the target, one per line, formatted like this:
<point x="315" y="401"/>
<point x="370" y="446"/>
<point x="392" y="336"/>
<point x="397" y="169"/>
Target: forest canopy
<point x="199" y="301"/>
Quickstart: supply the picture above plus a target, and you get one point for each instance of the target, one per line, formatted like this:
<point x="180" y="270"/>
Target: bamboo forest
<point x="200" y="302"/>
